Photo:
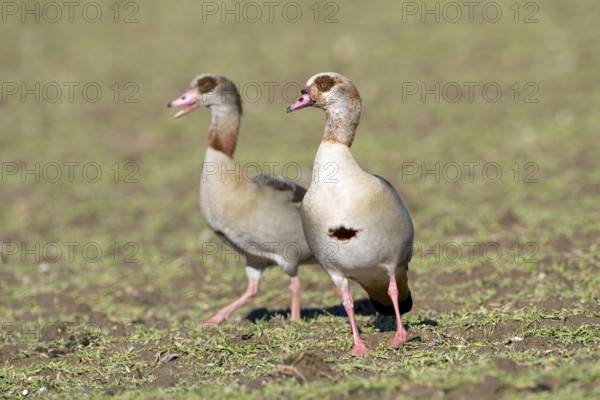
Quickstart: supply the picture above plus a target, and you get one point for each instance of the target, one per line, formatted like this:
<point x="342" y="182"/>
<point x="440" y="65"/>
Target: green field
<point x="487" y="125"/>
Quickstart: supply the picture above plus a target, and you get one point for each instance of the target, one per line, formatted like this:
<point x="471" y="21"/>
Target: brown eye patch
<point x="324" y="83"/>
<point x="206" y="84"/>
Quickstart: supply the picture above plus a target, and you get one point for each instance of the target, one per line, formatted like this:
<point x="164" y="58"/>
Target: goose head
<point x="327" y="90"/>
<point x="338" y="97"/>
<point x="207" y="90"/>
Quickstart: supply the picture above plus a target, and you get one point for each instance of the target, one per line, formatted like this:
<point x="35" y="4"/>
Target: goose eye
<point x="323" y="85"/>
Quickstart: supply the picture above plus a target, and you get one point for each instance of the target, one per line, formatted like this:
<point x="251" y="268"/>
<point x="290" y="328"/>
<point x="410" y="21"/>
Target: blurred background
<point x="87" y="91"/>
<point x="485" y="119"/>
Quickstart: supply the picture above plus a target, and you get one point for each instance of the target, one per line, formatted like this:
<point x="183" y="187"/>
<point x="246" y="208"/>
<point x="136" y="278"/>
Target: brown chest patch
<point x="342" y="233"/>
<point x="223" y="142"/>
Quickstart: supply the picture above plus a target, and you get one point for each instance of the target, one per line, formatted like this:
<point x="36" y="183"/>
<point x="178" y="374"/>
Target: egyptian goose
<point x="258" y="216"/>
<point x="355" y="222"/>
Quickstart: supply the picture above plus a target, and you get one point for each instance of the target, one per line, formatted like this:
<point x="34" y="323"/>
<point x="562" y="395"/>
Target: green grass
<point x="525" y="324"/>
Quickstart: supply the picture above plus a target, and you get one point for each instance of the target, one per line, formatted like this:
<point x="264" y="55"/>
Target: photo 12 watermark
<point x="474" y="252"/>
<point x="270" y="12"/>
<point x="290" y="252"/>
<point x="70" y="92"/>
<point x="67" y="172"/>
<point x="470" y="92"/>
<point x="53" y="12"/>
<point x="68" y="252"/>
<point x="469" y="172"/>
<point x="453" y="12"/>
<point x="63" y="331"/>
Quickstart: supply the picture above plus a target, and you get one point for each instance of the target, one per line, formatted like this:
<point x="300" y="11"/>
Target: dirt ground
<point x="177" y="358"/>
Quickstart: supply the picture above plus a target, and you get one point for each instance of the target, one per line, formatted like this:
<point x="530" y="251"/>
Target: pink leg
<point x="401" y="333"/>
<point x="295" y="289"/>
<point x="224" y="313"/>
<point x="359" y="346"/>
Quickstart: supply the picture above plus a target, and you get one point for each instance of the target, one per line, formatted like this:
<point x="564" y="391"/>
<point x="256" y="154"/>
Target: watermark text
<point x="52" y="12"/>
<point x="470" y="12"/>
<point x="71" y="92"/>
<point x="68" y="252"/>
<point x="67" y="172"/>
<point x="270" y="12"/>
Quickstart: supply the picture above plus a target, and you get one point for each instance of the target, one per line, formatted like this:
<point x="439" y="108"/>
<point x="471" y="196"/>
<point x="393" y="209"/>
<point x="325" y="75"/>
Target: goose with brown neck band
<point x="258" y="217"/>
<point x="361" y="215"/>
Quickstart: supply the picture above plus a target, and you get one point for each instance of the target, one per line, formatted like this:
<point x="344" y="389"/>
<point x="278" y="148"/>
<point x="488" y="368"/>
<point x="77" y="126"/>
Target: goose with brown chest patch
<point x="258" y="216"/>
<point x="354" y="222"/>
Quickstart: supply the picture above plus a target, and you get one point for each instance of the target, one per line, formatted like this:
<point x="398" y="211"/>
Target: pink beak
<point x="303" y="101"/>
<point x="186" y="100"/>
